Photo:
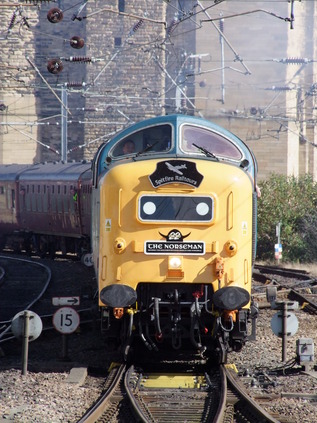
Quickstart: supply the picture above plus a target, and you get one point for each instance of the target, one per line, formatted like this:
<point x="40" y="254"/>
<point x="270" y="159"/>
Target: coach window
<point x="45" y="199"/>
<point x="59" y="200"/>
<point x="73" y="199"/>
<point x="65" y="199"/>
<point x="33" y="199"/>
<point x="2" y="198"/>
<point x="28" y="198"/>
<point x="39" y="198"/>
<point x="53" y="200"/>
<point x="22" y="198"/>
<point x="12" y="199"/>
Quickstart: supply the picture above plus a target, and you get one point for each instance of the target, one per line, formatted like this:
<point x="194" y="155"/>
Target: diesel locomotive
<point x="168" y="209"/>
<point x="174" y="204"/>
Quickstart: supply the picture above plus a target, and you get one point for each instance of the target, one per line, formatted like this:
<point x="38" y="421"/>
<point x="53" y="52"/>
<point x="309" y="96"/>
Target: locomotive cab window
<point x="153" y="139"/>
<point x="175" y="208"/>
<point x="209" y="140"/>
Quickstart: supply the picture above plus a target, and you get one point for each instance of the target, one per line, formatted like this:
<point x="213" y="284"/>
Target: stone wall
<point x="144" y="58"/>
<point x="248" y="87"/>
<point x="112" y="81"/>
<point x="125" y="84"/>
<point x="18" y="114"/>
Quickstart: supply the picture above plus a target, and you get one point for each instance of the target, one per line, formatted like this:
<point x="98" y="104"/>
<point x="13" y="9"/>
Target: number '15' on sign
<point x="66" y="320"/>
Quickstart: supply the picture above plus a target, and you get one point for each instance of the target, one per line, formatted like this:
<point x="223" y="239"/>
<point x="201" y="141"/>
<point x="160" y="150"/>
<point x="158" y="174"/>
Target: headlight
<point x="175" y="267"/>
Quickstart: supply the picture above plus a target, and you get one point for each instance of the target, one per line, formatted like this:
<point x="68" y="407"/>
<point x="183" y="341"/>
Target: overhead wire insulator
<point x="294" y="61"/>
<point x="79" y="59"/>
<point x="77" y="42"/>
<point x="12" y="21"/>
<point x="75" y="84"/>
<point x="55" y="66"/>
<point x="55" y="15"/>
<point x="36" y="1"/>
<point x="221" y="25"/>
<point x="281" y="88"/>
<point x="170" y="28"/>
<point x="136" y="27"/>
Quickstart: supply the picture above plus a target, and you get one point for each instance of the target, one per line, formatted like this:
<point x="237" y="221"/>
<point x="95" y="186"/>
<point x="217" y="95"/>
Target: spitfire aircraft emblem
<point x="176" y="171"/>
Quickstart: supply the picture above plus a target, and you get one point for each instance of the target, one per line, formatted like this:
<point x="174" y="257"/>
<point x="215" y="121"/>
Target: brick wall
<point x="242" y="98"/>
<point x="18" y="137"/>
<point x="140" y="68"/>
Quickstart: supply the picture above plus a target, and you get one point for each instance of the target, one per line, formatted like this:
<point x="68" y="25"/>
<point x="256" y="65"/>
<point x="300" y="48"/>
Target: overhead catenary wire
<point x="237" y="57"/>
<point x="35" y="139"/>
<point x="128" y="46"/>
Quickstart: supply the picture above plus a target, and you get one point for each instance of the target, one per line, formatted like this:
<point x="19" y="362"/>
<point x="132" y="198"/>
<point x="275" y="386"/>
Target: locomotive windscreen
<point x="212" y="141"/>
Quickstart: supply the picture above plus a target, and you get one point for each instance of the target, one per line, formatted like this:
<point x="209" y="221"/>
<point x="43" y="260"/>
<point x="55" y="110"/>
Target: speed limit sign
<point x="66" y="320"/>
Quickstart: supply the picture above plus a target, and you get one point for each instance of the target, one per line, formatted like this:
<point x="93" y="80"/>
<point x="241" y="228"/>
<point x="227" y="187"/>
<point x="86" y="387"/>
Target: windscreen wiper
<point x="206" y="152"/>
<point x="147" y="148"/>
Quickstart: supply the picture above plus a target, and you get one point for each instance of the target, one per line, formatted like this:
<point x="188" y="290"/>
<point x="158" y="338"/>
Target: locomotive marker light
<point x="27" y="325"/>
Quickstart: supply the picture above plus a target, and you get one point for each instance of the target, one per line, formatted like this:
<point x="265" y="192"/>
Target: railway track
<point x="214" y="396"/>
<point x="113" y="405"/>
<point x="295" y="285"/>
<point x="22" y="283"/>
<point x="164" y="398"/>
<point x="118" y="406"/>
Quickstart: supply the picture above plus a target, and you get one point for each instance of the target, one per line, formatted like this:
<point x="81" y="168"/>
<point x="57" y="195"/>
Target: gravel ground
<point x="269" y="375"/>
<point x="45" y="395"/>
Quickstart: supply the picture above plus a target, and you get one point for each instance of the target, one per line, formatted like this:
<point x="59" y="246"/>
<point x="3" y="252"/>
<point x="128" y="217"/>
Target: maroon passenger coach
<point x="46" y="207"/>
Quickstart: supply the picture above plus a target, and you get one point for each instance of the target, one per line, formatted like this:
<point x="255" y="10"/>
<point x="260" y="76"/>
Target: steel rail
<point x="260" y="415"/>
<point x="135" y="404"/>
<point x="96" y="411"/>
<point x="303" y="278"/>
<point x="220" y="415"/>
